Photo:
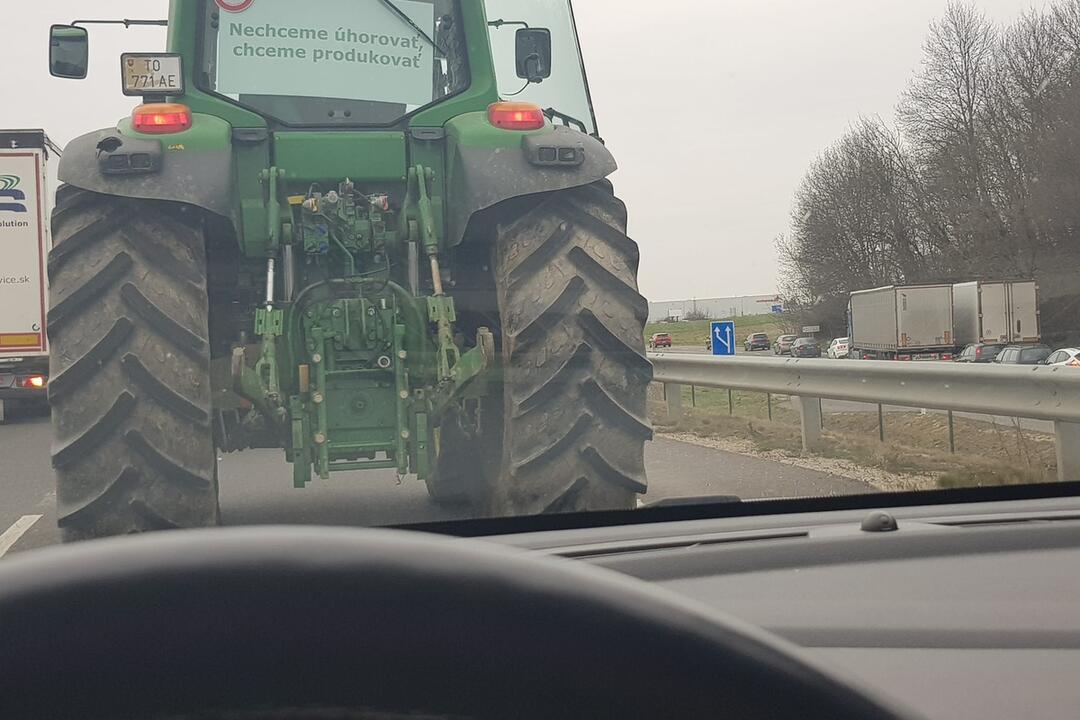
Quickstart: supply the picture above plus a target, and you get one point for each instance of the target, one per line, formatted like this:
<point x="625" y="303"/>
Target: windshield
<point x="346" y="63"/>
<point x="372" y="264"/>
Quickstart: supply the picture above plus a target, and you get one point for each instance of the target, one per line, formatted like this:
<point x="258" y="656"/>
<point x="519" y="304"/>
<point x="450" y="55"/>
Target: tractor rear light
<point x="32" y="382"/>
<point x="161" y="118"/>
<point x="516" y="116"/>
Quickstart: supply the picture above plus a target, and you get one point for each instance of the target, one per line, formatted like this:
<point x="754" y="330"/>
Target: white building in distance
<point x="716" y="308"/>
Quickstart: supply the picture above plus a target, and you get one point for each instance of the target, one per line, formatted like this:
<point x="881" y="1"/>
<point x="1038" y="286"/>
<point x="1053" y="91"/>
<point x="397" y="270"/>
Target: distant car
<point x="839" y="348"/>
<point x="660" y="340"/>
<point x="782" y="346"/>
<point x="757" y="341"/>
<point x="805" y="348"/>
<point x="979" y="353"/>
<point x="1023" y="355"/>
<point x="1066" y="356"/>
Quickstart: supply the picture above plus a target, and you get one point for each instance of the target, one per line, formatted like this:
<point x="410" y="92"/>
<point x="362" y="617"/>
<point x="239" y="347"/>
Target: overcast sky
<point x="713" y="108"/>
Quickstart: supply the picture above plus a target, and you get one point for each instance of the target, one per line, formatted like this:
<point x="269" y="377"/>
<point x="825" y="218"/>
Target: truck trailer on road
<point x="902" y="323"/>
<point x="24" y="246"/>
<point x="999" y="312"/>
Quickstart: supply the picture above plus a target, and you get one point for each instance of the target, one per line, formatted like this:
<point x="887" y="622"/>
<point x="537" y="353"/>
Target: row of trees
<point x="980" y="179"/>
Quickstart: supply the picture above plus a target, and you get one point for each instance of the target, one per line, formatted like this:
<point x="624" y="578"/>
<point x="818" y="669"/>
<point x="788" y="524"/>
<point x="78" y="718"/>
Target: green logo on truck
<point x="8" y="191"/>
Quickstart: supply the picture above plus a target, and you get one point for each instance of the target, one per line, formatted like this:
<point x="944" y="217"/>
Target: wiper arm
<point x="698" y="500"/>
<point x="405" y="18"/>
<point x="567" y="120"/>
<point x="500" y="22"/>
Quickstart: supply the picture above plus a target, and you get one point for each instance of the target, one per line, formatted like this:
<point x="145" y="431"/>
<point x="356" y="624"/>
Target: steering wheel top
<point x="319" y="622"/>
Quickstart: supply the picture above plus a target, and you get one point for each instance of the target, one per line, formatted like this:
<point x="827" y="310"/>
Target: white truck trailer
<point x="24" y="248"/>
<point x="998" y="312"/>
<point x="912" y="322"/>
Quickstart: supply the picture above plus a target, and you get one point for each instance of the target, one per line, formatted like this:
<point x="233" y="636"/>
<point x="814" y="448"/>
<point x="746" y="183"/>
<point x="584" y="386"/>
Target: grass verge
<point x="916" y="444"/>
<point x="694" y="332"/>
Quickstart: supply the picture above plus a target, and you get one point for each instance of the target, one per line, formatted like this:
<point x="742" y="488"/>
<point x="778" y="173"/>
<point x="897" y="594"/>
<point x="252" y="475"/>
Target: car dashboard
<point x="961" y="611"/>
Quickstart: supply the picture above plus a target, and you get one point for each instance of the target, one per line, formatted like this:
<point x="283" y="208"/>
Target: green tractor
<point x="325" y="230"/>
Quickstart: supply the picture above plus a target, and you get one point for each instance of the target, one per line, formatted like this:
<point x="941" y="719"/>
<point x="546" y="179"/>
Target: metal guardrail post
<point x="1067" y="440"/>
<point x="674" y="400"/>
<point x="810" y="413"/>
<point x="952" y="433"/>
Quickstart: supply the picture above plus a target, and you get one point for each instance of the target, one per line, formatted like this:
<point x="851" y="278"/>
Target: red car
<point x="660" y="340"/>
<point x="782" y="346"/>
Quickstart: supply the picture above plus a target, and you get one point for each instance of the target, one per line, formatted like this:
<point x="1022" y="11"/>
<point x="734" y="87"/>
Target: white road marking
<point x="16" y="531"/>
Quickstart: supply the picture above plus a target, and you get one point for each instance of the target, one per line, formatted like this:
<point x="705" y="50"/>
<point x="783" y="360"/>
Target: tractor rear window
<point x="335" y="62"/>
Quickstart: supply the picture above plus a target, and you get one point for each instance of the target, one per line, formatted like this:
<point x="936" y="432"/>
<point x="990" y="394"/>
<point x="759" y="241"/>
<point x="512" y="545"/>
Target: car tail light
<point x="161" y="118"/>
<point x="946" y="356"/>
<point x="32" y="382"/>
<point x="1075" y="362"/>
<point x="516" y="116"/>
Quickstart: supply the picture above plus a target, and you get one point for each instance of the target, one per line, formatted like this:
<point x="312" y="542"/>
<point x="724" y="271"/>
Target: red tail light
<point x="516" y="116"/>
<point x="161" y="118"/>
<point x="34" y="382"/>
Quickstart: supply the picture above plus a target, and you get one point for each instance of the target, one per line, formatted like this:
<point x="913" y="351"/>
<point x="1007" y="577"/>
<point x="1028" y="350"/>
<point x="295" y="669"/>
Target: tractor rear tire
<point x="130" y="368"/>
<point x="575" y="375"/>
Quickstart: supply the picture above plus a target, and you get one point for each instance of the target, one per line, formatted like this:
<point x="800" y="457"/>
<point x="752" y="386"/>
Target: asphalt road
<point x="256" y="487"/>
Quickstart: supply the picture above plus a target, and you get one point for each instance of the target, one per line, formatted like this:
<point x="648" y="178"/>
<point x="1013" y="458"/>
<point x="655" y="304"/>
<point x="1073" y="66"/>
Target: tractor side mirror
<point x="532" y="51"/>
<point x="69" y="52"/>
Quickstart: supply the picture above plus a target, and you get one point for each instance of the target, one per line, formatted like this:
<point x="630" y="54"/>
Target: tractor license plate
<point x="152" y="74"/>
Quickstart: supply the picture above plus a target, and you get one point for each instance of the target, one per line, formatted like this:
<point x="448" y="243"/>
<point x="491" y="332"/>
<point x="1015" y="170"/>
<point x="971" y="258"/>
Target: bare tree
<point x="982" y="180"/>
<point x="940" y="113"/>
<point x="855" y="223"/>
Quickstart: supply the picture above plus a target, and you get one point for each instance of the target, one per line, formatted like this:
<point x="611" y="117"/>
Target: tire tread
<point x="133" y="273"/>
<point x="573" y="355"/>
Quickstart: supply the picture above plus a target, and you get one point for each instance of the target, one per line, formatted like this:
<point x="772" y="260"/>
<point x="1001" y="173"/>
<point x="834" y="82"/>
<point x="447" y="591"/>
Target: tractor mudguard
<point x="192" y="167"/>
<point x="483" y="175"/>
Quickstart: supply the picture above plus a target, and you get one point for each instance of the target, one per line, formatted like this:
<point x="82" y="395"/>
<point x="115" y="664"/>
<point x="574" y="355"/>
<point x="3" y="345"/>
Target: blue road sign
<point x="723" y="337"/>
<point x="777" y="310"/>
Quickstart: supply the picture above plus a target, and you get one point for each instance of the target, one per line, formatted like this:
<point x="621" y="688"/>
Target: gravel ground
<point x="875" y="477"/>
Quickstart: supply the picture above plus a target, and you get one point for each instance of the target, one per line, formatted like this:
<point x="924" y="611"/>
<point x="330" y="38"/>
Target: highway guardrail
<point x="1036" y="391"/>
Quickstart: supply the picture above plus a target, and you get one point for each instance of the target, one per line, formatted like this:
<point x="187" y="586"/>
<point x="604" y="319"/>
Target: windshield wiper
<point x="693" y="500"/>
<point x="500" y="22"/>
<point x="405" y="18"/>
<point x="567" y="120"/>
